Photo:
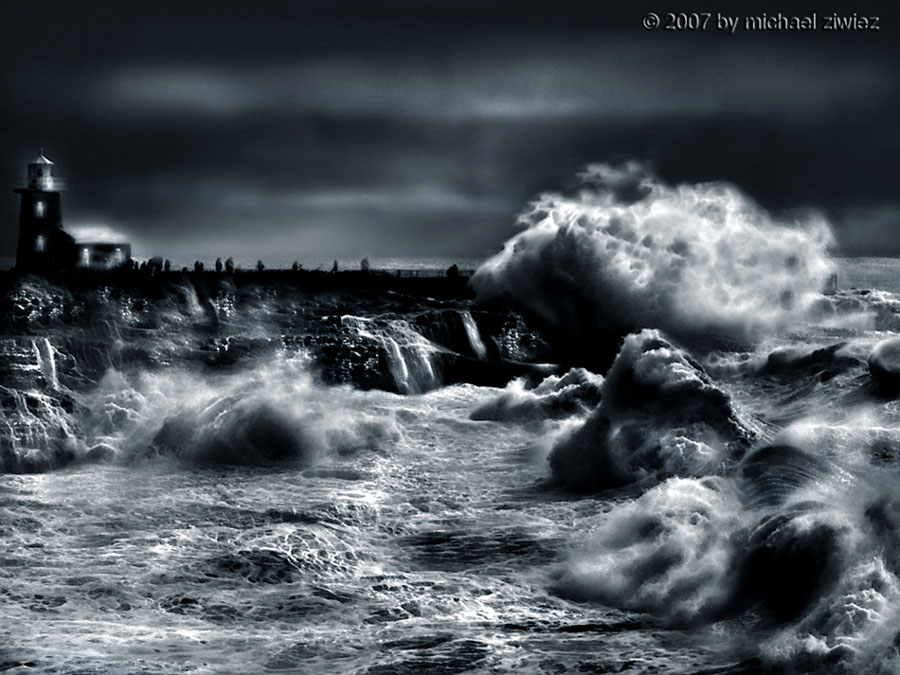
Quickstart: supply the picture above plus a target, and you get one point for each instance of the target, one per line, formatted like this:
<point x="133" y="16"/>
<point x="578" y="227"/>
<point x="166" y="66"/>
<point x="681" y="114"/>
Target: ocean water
<point x="186" y="489"/>
<point x="869" y="273"/>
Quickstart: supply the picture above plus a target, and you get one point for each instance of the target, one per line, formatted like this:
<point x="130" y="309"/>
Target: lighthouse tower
<point x="43" y="244"/>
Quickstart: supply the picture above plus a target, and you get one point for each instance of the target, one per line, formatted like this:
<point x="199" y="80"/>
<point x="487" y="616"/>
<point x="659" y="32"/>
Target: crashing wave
<point x="667" y="553"/>
<point x="855" y="632"/>
<point x="266" y="415"/>
<point x="626" y="251"/>
<point x="660" y="415"/>
<point x="556" y="396"/>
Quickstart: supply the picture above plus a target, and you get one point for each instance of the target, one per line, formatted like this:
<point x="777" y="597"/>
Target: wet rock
<point x="884" y="365"/>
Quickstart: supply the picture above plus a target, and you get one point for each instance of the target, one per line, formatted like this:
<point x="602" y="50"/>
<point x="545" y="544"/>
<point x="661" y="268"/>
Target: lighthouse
<point x="43" y="244"/>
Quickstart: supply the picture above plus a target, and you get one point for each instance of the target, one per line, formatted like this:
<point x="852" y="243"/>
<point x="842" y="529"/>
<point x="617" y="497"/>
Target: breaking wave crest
<point x="667" y="552"/>
<point x="555" y="397"/>
<point x="271" y="414"/>
<point x="660" y="415"/>
<point x="796" y="542"/>
<point x="625" y="251"/>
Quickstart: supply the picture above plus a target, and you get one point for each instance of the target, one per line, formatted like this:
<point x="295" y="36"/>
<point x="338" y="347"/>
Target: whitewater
<point x="646" y="441"/>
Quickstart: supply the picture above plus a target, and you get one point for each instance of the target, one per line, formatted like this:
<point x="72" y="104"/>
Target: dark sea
<point x="229" y="477"/>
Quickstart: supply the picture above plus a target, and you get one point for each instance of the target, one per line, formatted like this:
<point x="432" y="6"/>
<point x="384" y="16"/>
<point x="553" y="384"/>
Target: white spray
<point x="631" y="252"/>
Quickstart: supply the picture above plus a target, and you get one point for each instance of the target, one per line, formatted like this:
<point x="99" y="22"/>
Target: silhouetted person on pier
<point x="198" y="266"/>
<point x="229" y="265"/>
<point x="334" y="268"/>
<point x="259" y="266"/>
<point x="453" y="271"/>
<point x="143" y="266"/>
<point x="218" y="265"/>
<point x="296" y="266"/>
<point x="167" y="265"/>
<point x="364" y="265"/>
<point x="155" y="265"/>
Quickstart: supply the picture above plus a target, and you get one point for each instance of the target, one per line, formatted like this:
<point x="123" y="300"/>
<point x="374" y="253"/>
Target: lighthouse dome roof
<point x="41" y="159"/>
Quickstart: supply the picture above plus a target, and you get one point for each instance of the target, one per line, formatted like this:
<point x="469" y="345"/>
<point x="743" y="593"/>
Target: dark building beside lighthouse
<point x="44" y="246"/>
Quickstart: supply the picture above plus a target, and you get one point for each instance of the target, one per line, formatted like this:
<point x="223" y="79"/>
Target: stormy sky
<point x="341" y="128"/>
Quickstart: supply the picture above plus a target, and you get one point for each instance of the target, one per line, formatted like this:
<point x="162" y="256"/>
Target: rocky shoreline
<point x="60" y="335"/>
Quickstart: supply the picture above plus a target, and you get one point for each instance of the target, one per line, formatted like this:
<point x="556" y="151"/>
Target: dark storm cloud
<point x="482" y="84"/>
<point x="392" y="128"/>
